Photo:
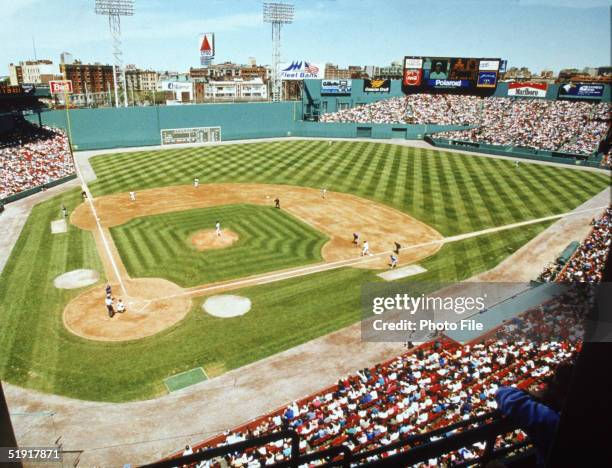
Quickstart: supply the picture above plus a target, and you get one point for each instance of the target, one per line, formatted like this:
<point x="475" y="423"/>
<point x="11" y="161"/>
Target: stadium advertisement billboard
<point x="207" y="48"/>
<point x="581" y="90"/>
<point x="60" y="87"/>
<point x="467" y="75"/>
<point x="535" y="90"/>
<point x="376" y="86"/>
<point x="176" y="86"/>
<point x="336" y="87"/>
<point x="301" y="70"/>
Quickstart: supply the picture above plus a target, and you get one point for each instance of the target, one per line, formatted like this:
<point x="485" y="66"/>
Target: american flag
<point x="310" y="68"/>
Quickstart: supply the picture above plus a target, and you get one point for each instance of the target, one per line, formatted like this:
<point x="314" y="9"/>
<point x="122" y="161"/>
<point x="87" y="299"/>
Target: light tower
<point x="115" y="9"/>
<point x="277" y="14"/>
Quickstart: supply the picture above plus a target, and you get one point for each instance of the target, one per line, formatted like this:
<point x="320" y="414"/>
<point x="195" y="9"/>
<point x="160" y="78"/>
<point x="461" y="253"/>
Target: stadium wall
<point x="376" y="131"/>
<point x="141" y="126"/>
<point x="37" y="189"/>
<point x="512" y="151"/>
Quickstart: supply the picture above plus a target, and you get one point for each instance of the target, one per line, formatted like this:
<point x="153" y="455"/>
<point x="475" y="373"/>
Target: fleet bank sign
<point x="301" y="70"/>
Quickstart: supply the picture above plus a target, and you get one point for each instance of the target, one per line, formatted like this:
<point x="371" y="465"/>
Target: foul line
<point x="100" y="230"/>
<point x="321" y="267"/>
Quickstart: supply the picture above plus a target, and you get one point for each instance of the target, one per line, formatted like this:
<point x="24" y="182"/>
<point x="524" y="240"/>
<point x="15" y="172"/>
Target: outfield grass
<point x="269" y="240"/>
<point x="453" y="193"/>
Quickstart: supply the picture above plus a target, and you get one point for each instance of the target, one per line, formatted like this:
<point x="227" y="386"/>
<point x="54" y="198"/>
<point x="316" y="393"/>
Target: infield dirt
<point x="155" y="304"/>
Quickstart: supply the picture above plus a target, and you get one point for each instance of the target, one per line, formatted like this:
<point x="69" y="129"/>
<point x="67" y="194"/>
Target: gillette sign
<point x="301" y="70"/>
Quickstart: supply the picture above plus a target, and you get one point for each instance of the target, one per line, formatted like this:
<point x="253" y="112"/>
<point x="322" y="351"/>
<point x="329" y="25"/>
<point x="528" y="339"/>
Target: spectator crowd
<point x="31" y="156"/>
<point x="569" y="126"/>
<point x="587" y="263"/>
<point x="434" y="386"/>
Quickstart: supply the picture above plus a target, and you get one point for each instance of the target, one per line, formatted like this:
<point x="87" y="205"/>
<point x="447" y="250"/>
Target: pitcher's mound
<point x="226" y="305"/>
<point x="76" y="279"/>
<point x="208" y="239"/>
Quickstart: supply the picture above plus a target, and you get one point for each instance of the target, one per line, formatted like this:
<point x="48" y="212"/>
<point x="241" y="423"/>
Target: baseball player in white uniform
<point x="366" y="249"/>
<point x="196" y="182"/>
<point x="133" y="196"/>
<point x="218" y="228"/>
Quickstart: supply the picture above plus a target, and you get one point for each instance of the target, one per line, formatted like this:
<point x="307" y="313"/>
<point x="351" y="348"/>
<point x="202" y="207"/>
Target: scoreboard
<point x="467" y="75"/>
<point x="10" y="90"/>
<point x="177" y="136"/>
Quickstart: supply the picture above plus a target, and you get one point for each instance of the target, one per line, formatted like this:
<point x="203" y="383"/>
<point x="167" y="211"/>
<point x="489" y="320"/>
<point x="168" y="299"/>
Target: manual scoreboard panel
<point x="176" y="136"/>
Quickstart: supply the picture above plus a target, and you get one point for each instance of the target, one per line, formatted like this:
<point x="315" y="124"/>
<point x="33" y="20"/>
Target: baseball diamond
<point x="438" y="194"/>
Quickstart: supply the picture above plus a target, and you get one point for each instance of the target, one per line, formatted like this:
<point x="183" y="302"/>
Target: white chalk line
<point x="321" y="267"/>
<point x="99" y="226"/>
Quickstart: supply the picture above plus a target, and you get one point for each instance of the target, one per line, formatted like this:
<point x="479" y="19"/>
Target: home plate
<point x="59" y="226"/>
<point x="403" y="272"/>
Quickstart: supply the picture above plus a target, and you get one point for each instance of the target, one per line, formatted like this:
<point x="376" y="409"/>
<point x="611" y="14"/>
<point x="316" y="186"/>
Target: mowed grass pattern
<point x="453" y="193"/>
<point x="269" y="240"/>
<point x="36" y="351"/>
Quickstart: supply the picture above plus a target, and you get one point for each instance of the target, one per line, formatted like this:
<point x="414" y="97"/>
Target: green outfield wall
<point x="141" y="126"/>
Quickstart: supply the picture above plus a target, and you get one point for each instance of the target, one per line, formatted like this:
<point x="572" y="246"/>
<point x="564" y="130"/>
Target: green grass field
<point x="185" y="379"/>
<point x="453" y="193"/>
<point x="269" y="240"/>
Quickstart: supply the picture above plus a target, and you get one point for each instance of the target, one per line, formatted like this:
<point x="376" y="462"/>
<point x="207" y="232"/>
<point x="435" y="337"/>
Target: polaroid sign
<point x="581" y="90"/>
<point x="449" y="83"/>
<point x="377" y="86"/>
<point x="301" y="70"/>
<point x="534" y="90"/>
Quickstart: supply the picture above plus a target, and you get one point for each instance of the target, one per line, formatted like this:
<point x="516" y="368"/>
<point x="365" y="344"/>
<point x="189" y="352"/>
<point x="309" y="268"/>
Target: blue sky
<point x="163" y="34"/>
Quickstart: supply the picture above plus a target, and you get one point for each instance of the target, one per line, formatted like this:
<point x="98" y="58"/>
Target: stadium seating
<point x="567" y="126"/>
<point x="31" y="156"/>
<point x="436" y="385"/>
<point x="587" y="263"/>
